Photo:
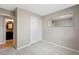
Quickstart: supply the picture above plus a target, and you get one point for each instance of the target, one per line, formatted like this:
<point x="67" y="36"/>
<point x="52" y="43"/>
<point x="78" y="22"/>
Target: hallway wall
<point x="2" y="30"/>
<point x="3" y="13"/>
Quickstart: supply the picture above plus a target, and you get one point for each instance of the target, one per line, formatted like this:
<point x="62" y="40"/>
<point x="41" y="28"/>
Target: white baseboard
<point x="23" y="46"/>
<point x="74" y="50"/>
<point x="35" y="42"/>
<point x="27" y="45"/>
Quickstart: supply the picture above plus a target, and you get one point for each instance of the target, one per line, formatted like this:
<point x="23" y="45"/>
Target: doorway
<point x="9" y="32"/>
<point x="9" y="27"/>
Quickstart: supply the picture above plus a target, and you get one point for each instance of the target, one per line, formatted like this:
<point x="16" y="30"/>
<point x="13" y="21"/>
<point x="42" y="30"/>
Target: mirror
<point x="62" y="21"/>
<point x="9" y="25"/>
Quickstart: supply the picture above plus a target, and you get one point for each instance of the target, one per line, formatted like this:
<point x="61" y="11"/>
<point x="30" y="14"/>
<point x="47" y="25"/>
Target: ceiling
<point x="40" y="9"/>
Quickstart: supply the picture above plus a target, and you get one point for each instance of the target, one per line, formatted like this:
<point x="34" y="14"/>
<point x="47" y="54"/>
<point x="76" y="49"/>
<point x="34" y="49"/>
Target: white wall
<point x="2" y="30"/>
<point x="22" y="28"/>
<point x="25" y="28"/>
<point x="66" y="36"/>
<point x="36" y="29"/>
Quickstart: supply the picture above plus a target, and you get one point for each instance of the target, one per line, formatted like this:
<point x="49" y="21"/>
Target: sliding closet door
<point x="2" y="30"/>
<point x="36" y="29"/>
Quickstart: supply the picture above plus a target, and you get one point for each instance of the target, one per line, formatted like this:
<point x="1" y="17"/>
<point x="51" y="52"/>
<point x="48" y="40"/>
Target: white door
<point x="2" y="30"/>
<point x="36" y="29"/>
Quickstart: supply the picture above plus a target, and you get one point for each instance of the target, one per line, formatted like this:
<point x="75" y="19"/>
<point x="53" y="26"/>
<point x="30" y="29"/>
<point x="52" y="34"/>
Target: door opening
<point x="9" y="27"/>
<point x="9" y="32"/>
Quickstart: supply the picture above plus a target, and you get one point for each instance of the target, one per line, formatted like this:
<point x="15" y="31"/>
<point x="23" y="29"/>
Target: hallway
<point x="9" y="43"/>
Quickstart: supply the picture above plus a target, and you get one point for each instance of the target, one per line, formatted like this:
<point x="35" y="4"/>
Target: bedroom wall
<point x="65" y="36"/>
<point x="23" y="27"/>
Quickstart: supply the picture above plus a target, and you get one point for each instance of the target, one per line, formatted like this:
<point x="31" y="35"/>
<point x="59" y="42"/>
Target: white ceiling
<point x="40" y="9"/>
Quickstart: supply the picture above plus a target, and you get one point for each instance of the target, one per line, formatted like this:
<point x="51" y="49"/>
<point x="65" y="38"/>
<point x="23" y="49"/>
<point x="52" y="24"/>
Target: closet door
<point x="2" y="30"/>
<point x="36" y="29"/>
